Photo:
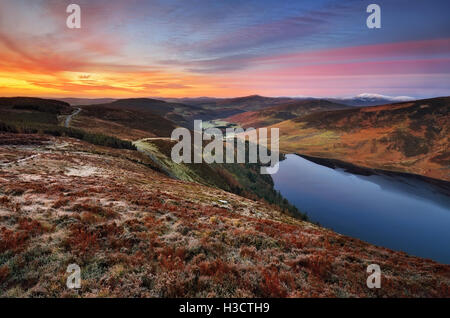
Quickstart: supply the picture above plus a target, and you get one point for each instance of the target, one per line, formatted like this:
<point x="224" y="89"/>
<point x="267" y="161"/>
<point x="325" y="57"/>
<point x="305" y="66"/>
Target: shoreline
<point x="443" y="185"/>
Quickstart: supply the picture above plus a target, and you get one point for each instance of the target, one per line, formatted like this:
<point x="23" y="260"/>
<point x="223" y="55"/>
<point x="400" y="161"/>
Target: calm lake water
<point x="397" y="212"/>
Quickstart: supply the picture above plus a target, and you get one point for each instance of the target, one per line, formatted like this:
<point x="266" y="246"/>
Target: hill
<point x="135" y="232"/>
<point x="119" y="127"/>
<point x="225" y="107"/>
<point x="22" y="110"/>
<point x="409" y="137"/>
<point x="367" y="99"/>
<point x="184" y="114"/>
<point x="123" y="122"/>
<point x="48" y="117"/>
<point x="253" y="102"/>
<point x="242" y="179"/>
<point x="246" y="103"/>
<point x="181" y="114"/>
<point x="86" y="101"/>
<point x="272" y="115"/>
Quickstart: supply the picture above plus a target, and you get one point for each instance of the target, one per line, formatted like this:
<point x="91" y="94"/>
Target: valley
<point x="95" y="184"/>
<point x="178" y="151"/>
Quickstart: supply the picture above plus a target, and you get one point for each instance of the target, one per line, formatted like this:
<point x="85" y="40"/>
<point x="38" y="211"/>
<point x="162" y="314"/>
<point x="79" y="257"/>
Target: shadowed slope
<point x="279" y="113"/>
<point x="409" y="137"/>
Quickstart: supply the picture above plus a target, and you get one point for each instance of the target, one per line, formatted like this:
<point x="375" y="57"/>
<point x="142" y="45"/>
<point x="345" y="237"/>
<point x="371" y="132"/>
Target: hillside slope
<point x="368" y="99"/>
<point x="275" y="114"/>
<point x="226" y="107"/>
<point x="137" y="233"/>
<point x="118" y="128"/>
<point x="129" y="124"/>
<point x="245" y="103"/>
<point x="86" y="101"/>
<point x="409" y="137"/>
<point x="181" y="114"/>
<point x="242" y="179"/>
<point x="23" y="110"/>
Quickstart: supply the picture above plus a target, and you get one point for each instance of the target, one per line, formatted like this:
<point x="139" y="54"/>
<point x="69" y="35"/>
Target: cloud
<point x="162" y="85"/>
<point x="224" y="48"/>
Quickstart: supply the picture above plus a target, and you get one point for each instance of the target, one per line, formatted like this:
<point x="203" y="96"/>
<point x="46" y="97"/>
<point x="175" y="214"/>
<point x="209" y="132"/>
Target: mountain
<point x="272" y="115"/>
<point x="256" y="102"/>
<point x="35" y="114"/>
<point x="135" y="232"/>
<point x="124" y="122"/>
<point x="23" y="110"/>
<point x="29" y="104"/>
<point x="179" y="113"/>
<point x="198" y="101"/>
<point x="367" y="99"/>
<point x="409" y="137"/>
<point x="246" y="103"/>
<point x="86" y="101"/>
<point x="225" y="107"/>
<point x="183" y="112"/>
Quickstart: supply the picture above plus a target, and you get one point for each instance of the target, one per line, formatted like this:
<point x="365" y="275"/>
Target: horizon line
<point x="368" y="95"/>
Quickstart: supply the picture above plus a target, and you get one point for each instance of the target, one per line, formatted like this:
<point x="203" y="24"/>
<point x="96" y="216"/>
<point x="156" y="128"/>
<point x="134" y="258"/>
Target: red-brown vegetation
<point x="81" y="241"/>
<point x="12" y="240"/>
<point x="137" y="233"/>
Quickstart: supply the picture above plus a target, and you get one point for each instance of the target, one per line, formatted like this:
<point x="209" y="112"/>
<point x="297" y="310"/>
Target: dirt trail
<point x="5" y="164"/>
<point x="155" y="138"/>
<point x="69" y="118"/>
<point x="153" y="156"/>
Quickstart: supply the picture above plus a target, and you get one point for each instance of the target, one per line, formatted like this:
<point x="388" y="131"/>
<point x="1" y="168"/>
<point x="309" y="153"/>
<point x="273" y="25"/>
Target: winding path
<point x="152" y="156"/>
<point x="69" y="118"/>
<point x="5" y="164"/>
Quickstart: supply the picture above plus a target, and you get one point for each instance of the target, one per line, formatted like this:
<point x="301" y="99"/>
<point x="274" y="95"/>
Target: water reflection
<point x="395" y="211"/>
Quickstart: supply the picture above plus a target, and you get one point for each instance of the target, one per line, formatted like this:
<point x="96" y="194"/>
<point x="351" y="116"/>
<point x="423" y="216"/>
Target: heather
<point x="135" y="232"/>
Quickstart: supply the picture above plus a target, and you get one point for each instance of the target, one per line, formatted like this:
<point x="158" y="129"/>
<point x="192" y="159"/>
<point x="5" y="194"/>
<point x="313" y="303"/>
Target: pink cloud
<point x="427" y="48"/>
<point x="432" y="66"/>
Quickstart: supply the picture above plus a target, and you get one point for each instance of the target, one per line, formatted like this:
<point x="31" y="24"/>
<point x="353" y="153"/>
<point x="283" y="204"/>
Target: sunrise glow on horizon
<point x="135" y="48"/>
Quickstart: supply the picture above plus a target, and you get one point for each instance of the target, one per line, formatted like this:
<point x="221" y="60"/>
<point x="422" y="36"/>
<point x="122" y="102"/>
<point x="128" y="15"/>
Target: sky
<point x="224" y="48"/>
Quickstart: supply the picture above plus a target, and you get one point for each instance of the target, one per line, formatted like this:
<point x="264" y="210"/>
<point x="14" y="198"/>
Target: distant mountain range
<point x="367" y="99"/>
<point x="255" y="102"/>
<point x="252" y="102"/>
<point x="246" y="103"/>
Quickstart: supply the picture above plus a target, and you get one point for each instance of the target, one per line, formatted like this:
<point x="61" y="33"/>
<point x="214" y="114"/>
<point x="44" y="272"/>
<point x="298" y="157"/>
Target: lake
<point x="395" y="211"/>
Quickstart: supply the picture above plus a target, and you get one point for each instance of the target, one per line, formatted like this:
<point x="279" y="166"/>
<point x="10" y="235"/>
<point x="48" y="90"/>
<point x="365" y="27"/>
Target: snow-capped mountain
<point x="369" y="99"/>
